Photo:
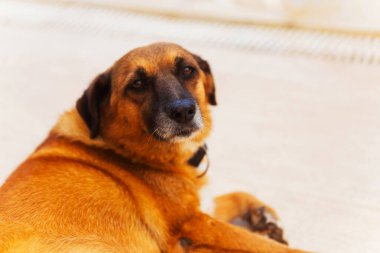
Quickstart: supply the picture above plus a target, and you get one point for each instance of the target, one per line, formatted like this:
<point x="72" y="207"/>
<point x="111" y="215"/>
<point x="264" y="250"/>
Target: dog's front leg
<point x="203" y="234"/>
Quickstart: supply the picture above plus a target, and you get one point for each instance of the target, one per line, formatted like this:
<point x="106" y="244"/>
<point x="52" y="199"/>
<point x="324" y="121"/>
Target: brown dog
<point x="114" y="175"/>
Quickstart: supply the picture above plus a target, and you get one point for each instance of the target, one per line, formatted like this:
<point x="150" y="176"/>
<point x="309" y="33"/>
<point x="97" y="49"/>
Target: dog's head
<point x="160" y="91"/>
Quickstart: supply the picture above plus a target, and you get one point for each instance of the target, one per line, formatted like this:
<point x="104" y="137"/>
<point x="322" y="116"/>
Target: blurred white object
<point x="352" y="15"/>
<point x="348" y="15"/>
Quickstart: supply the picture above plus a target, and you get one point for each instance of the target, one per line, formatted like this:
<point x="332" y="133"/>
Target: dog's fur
<point x="113" y="174"/>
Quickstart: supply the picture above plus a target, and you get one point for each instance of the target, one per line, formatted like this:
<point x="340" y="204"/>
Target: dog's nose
<point x="182" y="110"/>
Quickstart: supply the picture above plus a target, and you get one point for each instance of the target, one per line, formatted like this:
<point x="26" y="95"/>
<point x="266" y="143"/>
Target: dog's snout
<point x="182" y="110"/>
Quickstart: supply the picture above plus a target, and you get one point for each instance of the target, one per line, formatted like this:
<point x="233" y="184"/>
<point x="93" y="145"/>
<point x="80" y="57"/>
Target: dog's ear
<point x="209" y="85"/>
<point x="89" y="105"/>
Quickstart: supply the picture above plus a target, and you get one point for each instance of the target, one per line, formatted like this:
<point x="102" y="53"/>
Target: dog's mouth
<point x="185" y="132"/>
<point x="173" y="135"/>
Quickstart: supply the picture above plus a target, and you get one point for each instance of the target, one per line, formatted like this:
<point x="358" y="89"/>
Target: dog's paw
<point x="245" y="210"/>
<point x="259" y="220"/>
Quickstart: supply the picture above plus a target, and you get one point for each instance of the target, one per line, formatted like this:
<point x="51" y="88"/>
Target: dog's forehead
<point x="153" y="58"/>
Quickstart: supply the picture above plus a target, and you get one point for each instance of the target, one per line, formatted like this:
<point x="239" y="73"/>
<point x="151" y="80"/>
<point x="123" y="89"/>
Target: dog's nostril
<point x="177" y="115"/>
<point x="182" y="110"/>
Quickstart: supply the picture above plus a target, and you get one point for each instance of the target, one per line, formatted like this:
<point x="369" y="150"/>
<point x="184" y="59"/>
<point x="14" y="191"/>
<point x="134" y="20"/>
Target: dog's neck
<point x="164" y="155"/>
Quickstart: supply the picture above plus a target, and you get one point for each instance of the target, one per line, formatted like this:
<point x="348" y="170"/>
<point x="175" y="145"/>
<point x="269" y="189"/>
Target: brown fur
<point x="103" y="184"/>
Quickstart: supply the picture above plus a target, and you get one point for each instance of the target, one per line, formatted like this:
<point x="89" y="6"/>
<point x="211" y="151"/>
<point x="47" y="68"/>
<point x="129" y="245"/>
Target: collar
<point x="197" y="158"/>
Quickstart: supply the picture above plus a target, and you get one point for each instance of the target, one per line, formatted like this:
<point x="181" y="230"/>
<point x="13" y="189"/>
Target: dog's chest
<point x="175" y="195"/>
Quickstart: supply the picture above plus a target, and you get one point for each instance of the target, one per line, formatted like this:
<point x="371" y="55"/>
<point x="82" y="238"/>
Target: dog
<point x="117" y="172"/>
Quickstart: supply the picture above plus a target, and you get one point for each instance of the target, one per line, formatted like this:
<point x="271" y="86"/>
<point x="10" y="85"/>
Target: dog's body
<point x="113" y="174"/>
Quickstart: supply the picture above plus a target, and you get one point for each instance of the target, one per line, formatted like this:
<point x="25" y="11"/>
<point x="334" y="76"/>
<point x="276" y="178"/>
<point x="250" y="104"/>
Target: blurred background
<point x="298" y="83"/>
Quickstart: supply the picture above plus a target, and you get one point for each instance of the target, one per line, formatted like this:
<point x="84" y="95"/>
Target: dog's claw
<point x="258" y="222"/>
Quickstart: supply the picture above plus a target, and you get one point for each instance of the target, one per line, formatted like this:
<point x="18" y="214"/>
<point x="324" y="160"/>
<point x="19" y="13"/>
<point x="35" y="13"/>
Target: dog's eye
<point x="137" y="84"/>
<point x="188" y="71"/>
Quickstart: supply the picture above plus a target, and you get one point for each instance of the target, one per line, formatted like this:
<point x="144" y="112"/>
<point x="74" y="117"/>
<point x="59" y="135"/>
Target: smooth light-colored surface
<point x="301" y="134"/>
<point x="343" y="15"/>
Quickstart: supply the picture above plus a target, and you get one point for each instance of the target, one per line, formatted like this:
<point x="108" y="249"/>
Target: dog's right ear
<point x="89" y="105"/>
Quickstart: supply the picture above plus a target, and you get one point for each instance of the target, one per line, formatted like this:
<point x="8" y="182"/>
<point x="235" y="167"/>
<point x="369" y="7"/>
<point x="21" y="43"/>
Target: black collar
<point x="197" y="158"/>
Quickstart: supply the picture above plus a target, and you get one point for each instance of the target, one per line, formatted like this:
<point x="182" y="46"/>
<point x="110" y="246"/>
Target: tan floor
<point x="302" y="134"/>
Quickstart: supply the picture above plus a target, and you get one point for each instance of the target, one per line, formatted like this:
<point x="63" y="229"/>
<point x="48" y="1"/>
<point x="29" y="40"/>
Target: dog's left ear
<point x="89" y="105"/>
<point x="210" y="84"/>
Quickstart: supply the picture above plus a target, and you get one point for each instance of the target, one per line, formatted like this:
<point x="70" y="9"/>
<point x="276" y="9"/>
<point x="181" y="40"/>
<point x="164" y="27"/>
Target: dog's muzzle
<point x="178" y="120"/>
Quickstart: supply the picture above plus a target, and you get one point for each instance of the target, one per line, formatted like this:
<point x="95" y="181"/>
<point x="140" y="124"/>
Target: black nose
<point x="182" y="110"/>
